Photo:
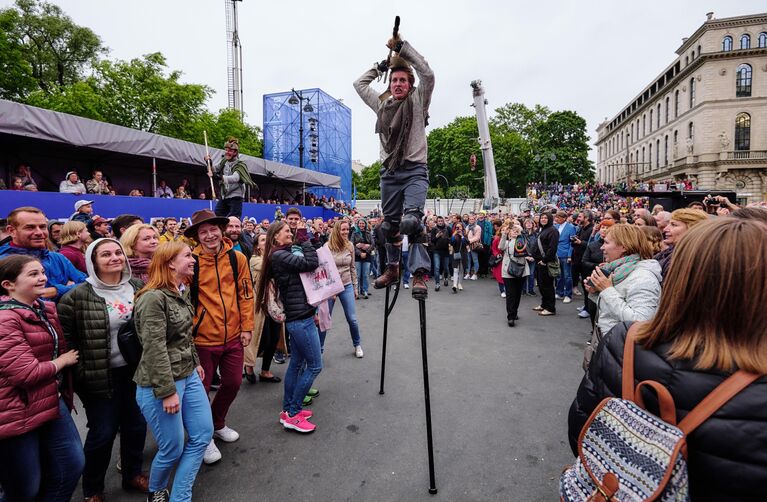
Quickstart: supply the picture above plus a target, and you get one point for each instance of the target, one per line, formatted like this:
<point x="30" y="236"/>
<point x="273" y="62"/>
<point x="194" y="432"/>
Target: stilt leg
<point x="387" y="310"/>
<point x="427" y="400"/>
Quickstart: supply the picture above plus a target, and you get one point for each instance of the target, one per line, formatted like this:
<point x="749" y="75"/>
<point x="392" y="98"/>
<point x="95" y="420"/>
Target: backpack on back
<point x="626" y="453"/>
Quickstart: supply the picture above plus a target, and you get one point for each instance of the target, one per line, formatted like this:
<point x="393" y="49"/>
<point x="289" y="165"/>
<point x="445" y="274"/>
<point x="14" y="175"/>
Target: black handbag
<point x="515" y="269"/>
<point x="495" y="260"/>
<point x="129" y="343"/>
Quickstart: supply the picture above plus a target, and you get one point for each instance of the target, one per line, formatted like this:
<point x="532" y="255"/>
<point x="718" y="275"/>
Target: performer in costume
<point x="403" y="113"/>
<point x="232" y="175"/>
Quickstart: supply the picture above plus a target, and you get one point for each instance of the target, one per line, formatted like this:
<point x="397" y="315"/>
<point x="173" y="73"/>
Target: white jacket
<point x="636" y="298"/>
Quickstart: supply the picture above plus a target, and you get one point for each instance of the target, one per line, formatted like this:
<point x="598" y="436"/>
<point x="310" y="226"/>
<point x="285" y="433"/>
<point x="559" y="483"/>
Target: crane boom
<point x="491" y="180"/>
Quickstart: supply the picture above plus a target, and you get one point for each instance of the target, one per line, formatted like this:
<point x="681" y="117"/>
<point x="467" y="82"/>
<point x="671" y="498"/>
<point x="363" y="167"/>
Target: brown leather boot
<point x="389" y="277"/>
<point x="419" y="287"/>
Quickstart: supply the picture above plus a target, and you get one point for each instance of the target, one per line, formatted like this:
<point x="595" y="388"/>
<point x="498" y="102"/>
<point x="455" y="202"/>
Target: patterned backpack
<point x="628" y="454"/>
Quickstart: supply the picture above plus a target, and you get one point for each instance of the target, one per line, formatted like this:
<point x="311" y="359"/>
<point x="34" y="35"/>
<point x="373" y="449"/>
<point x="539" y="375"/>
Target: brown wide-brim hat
<point x="204" y="216"/>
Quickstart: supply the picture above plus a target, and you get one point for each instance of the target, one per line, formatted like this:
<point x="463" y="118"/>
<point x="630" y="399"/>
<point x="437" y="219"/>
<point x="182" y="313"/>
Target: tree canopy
<point x="47" y="60"/>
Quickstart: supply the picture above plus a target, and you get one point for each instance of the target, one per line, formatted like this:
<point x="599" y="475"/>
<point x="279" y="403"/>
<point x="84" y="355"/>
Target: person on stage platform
<point x="231" y="175"/>
<point x="403" y="113"/>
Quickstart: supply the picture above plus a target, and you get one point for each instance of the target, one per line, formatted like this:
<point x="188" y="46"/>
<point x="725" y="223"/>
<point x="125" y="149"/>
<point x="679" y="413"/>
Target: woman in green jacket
<point x="91" y="314"/>
<point x="169" y="376"/>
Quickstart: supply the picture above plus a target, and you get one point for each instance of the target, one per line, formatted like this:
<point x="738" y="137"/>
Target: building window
<point x="727" y="43"/>
<point x="698" y="50"/>
<point x="650" y="151"/>
<point x="644" y="125"/>
<point x="632" y="132"/>
<point x="665" y="150"/>
<point x="642" y="158"/>
<point x="657" y="153"/>
<point x="676" y="137"/>
<point x="668" y="102"/>
<point x="676" y="103"/>
<point x="690" y="131"/>
<point x="692" y="92"/>
<point x="745" y="41"/>
<point x="762" y="40"/>
<point x="658" y="126"/>
<point x="743" y="81"/>
<point x="650" y="120"/>
<point x="743" y="131"/>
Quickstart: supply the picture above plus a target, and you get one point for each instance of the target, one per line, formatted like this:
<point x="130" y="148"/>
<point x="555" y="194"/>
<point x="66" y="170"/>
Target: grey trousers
<point x="402" y="191"/>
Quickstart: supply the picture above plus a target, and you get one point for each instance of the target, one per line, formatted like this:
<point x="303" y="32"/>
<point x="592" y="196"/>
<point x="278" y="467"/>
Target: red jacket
<point x="29" y="394"/>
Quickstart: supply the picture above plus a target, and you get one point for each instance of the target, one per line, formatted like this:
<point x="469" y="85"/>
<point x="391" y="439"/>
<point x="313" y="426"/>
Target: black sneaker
<point x="159" y="496"/>
<point x="436" y="287"/>
<point x="279" y="358"/>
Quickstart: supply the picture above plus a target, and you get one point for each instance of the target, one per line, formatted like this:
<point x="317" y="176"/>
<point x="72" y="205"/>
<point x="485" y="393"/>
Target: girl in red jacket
<point x="41" y="455"/>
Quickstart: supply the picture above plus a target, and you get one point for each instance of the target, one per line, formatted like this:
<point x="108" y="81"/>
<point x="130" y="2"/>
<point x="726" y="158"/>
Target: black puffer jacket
<point x="85" y="321"/>
<point x="549" y="238"/>
<point x="727" y="454"/>
<point x="285" y="268"/>
<point x="593" y="256"/>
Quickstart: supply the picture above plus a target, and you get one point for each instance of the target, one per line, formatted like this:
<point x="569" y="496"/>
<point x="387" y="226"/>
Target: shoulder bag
<point x="552" y="268"/>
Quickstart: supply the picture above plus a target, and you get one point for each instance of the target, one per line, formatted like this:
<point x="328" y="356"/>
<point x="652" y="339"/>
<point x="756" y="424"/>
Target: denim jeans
<point x="565" y="280"/>
<point x="168" y="429"/>
<point x="473" y="266"/>
<point x="441" y="265"/>
<point x="106" y="417"/>
<point x="363" y="272"/>
<point x="350" y="311"/>
<point x="406" y="272"/>
<point x="530" y="285"/>
<point x="305" y="363"/>
<point x="49" y="458"/>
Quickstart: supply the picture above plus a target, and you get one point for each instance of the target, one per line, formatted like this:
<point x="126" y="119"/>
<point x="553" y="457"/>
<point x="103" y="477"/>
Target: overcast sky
<point x="588" y="56"/>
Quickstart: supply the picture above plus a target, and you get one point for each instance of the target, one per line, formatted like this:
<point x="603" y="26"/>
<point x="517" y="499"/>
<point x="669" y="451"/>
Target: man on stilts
<point x="231" y="174"/>
<point x="403" y="113"/>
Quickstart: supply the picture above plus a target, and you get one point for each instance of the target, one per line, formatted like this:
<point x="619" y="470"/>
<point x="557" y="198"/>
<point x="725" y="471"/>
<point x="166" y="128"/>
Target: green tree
<point x="57" y="50"/>
<point x="134" y="94"/>
<point x="450" y="148"/>
<point x="16" y="80"/>
<point x="516" y="117"/>
<point x="220" y="127"/>
<point x="371" y="180"/>
<point x="564" y="134"/>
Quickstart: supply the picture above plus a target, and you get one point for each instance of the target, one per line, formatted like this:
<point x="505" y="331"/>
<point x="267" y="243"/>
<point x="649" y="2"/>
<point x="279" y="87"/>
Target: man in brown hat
<point x="222" y="294"/>
<point x="403" y="113"/>
<point x="232" y="175"/>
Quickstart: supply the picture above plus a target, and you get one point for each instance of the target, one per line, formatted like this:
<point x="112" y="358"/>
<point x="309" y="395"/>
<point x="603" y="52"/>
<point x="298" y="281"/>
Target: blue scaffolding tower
<point x="327" y="136"/>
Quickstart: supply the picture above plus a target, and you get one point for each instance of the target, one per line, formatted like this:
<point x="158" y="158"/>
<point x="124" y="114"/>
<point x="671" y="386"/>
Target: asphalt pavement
<point x="499" y="400"/>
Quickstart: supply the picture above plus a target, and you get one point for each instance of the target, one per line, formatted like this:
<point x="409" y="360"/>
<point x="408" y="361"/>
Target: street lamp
<point x="297" y="98"/>
<point x="538" y="158"/>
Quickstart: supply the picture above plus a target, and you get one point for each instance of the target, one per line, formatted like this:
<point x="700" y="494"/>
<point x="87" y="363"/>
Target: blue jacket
<point x="487" y="231"/>
<point x="565" y="247"/>
<point x="58" y="269"/>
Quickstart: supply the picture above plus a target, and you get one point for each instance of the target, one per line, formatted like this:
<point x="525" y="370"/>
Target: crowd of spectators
<point x="622" y="258"/>
<point x="100" y="184"/>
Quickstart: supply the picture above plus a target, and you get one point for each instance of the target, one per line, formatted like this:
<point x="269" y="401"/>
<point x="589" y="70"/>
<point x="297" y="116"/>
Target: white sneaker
<point x="358" y="352"/>
<point x="584" y="314"/>
<point x="557" y="297"/>
<point x="466" y="277"/>
<point x="503" y="295"/>
<point x="474" y="277"/>
<point x="577" y="292"/>
<point x="406" y="286"/>
<point x="212" y="455"/>
<point x="226" y="435"/>
<point x="567" y="299"/>
<point x="460" y="287"/>
<point x="580" y="308"/>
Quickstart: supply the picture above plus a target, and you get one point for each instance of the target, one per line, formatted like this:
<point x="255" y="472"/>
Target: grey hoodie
<point x="118" y="299"/>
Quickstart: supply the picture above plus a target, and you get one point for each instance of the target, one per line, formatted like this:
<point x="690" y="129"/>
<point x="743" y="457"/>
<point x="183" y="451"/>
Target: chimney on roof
<point x="709" y="16"/>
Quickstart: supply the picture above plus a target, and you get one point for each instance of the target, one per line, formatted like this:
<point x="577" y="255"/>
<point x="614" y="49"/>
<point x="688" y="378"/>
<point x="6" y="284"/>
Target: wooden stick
<point x="210" y="166"/>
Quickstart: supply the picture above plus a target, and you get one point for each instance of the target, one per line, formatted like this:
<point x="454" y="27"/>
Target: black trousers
<point x="513" y="296"/>
<point x="270" y="336"/>
<point x="107" y="416"/>
<point x="483" y="255"/>
<point x="546" y="287"/>
<point x="229" y="207"/>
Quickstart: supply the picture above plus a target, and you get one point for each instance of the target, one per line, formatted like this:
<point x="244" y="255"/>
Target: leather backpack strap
<point x="716" y="399"/>
<point x="628" y="363"/>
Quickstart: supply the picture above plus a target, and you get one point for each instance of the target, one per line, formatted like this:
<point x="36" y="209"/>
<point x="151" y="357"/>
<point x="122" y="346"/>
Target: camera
<point x="710" y="200"/>
<point x="573" y="238"/>
<point x="605" y="272"/>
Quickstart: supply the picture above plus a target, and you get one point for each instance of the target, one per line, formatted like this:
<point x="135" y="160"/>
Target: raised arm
<point x="423" y="70"/>
<point x="367" y="93"/>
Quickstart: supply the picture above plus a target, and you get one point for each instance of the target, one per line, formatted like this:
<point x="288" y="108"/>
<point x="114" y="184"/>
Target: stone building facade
<point x="704" y="118"/>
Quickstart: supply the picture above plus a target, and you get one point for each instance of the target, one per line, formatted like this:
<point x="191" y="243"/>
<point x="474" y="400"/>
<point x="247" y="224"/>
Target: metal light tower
<point x="233" y="57"/>
<point x="491" y="180"/>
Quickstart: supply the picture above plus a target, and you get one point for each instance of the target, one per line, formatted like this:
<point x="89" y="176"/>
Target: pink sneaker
<point x="306" y="414"/>
<point x="298" y="423"/>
